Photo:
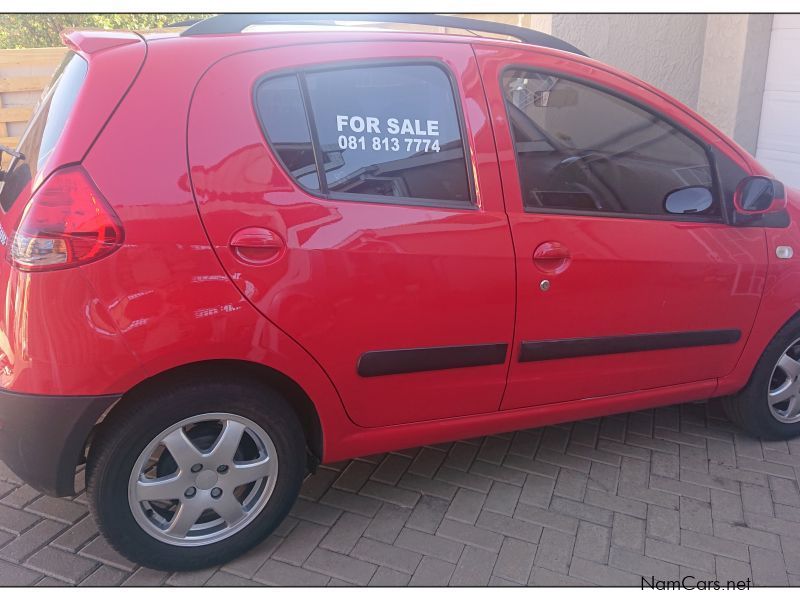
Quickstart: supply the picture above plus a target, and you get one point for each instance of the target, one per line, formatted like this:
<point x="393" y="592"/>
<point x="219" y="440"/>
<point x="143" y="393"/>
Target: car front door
<point x="629" y="276"/>
<point x="351" y="191"/>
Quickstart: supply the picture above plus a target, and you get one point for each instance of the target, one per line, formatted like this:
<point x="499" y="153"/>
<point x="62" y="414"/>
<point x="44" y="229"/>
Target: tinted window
<point x="382" y="131"/>
<point x="44" y="130"/>
<point x="579" y="148"/>
<point x="280" y="107"/>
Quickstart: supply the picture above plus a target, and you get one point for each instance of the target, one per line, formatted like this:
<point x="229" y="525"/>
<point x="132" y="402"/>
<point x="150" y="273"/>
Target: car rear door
<point x="394" y="269"/>
<point x="615" y="293"/>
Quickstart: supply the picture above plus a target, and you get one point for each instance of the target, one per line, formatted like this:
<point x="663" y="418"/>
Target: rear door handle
<point x="257" y="245"/>
<point x="552" y="257"/>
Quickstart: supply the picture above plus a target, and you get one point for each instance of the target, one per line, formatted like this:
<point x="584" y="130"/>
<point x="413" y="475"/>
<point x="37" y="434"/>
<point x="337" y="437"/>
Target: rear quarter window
<point x="43" y="132"/>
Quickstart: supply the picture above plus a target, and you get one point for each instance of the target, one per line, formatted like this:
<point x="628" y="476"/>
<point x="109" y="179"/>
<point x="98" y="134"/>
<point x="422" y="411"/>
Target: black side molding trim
<point x="572" y="348"/>
<point x="413" y="360"/>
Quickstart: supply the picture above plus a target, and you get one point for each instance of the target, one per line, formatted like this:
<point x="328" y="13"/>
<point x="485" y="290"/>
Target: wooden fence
<point x="23" y="76"/>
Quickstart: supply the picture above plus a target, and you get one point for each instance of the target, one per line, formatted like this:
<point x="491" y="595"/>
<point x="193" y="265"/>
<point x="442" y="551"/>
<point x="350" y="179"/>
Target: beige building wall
<point x="715" y="64"/>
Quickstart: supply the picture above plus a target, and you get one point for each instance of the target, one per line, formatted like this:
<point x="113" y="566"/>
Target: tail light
<point x="66" y="223"/>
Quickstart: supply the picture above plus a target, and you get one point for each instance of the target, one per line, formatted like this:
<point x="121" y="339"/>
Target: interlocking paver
<point x="58" y="509"/>
<point x="757" y="499"/>
<point x="320" y="514"/>
<point x="537" y="490"/>
<point x="628" y="532"/>
<point x="143" y="577"/>
<point x="768" y="567"/>
<point x="104" y="576"/>
<point x="474" y="568"/>
<point x="29" y="542"/>
<point x="593" y="542"/>
<point x="279" y="573"/>
<point x="427" y="462"/>
<point x="223" y="579"/>
<point x="386" y="555"/>
<point x="354" y="476"/>
<point x="555" y="551"/>
<point x="427" y="514"/>
<point x="429" y="487"/>
<point x="61" y="565"/>
<point x="340" y="566"/>
<point x="662" y="493"/>
<point x="343" y="536"/>
<point x="515" y="560"/>
<point x="497" y="473"/>
<point x="571" y="484"/>
<point x="738" y="532"/>
<point x="432" y="572"/>
<point x="644" y="566"/>
<point x="467" y="534"/>
<point x="502" y="498"/>
<point x="726" y="506"/>
<point x="99" y="550"/>
<point x="20" y="496"/>
<point x="391" y="469"/>
<point x="388" y="523"/>
<point x="696" y="515"/>
<point x="546" y="519"/>
<point x="430" y="545"/>
<point x="601" y="574"/>
<point x="11" y="574"/>
<point x="582" y="511"/>
<point x="351" y="502"/>
<point x="663" y="524"/>
<point x="729" y="569"/>
<point x="247" y="564"/>
<point x="466" y="506"/>
<point x="680" y="555"/>
<point x="714" y="545"/>
<point x="315" y="486"/>
<point x="14" y="520"/>
<point x="385" y="576"/>
<point x="76" y="536"/>
<point x="388" y="493"/>
<point x="509" y="527"/>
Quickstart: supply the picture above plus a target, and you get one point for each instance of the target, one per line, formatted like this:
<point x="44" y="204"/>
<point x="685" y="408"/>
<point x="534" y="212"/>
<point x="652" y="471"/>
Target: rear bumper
<point x="42" y="437"/>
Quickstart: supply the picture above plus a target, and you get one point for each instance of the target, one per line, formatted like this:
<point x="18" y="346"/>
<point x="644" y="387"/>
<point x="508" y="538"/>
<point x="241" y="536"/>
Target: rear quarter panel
<point x="165" y="290"/>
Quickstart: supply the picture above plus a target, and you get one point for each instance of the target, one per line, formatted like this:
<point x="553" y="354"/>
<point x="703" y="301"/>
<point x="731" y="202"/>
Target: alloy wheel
<point x="784" y="387"/>
<point x="203" y="479"/>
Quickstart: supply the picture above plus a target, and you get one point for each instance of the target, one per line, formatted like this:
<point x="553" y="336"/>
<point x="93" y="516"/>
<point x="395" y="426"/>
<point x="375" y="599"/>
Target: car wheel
<point x="769" y="406"/>
<point x="194" y="475"/>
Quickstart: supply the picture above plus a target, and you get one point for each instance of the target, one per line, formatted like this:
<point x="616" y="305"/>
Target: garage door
<point x="779" y="135"/>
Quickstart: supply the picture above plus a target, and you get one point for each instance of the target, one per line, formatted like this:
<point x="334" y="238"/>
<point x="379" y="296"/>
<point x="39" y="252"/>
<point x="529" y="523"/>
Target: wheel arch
<point x="300" y="402"/>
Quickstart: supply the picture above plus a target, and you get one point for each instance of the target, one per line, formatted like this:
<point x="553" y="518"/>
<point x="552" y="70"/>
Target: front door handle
<point x="552" y="258"/>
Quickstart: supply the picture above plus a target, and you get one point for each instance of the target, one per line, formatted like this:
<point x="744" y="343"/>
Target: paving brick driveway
<point x="667" y="493"/>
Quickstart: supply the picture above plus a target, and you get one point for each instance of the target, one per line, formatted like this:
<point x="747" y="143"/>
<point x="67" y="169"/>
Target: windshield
<point x="42" y="134"/>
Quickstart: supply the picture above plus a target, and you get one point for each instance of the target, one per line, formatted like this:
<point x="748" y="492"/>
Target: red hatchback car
<point x="232" y="255"/>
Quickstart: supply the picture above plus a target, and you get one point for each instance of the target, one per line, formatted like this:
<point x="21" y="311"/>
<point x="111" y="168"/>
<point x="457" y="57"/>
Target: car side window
<point x="582" y="149"/>
<point x="280" y="106"/>
<point x="389" y="133"/>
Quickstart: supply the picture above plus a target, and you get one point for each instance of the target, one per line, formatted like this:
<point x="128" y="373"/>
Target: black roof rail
<point x="236" y="22"/>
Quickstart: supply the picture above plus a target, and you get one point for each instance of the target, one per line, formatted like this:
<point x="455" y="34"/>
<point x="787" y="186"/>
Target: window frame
<point x="708" y="149"/>
<point x="324" y="193"/>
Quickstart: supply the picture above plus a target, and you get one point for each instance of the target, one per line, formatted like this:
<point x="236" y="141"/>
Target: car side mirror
<point x="759" y="195"/>
<point x="688" y="201"/>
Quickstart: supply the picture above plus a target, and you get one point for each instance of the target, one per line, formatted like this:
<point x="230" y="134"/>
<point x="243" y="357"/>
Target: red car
<point x="232" y="255"/>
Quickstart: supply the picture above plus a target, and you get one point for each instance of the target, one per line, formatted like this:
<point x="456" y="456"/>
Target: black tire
<point x="749" y="408"/>
<point x="137" y="421"/>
